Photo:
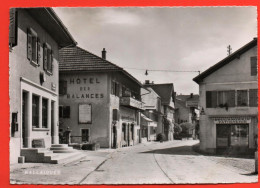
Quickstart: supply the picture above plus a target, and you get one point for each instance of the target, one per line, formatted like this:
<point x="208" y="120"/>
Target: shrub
<point x="161" y="137"/>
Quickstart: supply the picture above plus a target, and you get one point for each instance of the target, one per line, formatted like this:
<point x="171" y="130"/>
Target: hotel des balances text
<point x="229" y="104"/>
<point x="99" y="101"/>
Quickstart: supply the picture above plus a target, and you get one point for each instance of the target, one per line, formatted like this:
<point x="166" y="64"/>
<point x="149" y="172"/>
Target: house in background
<point x="99" y="101"/>
<point x="186" y="111"/>
<point x="151" y="117"/>
<point x="229" y="103"/>
<point x="35" y="37"/>
<point x="167" y="95"/>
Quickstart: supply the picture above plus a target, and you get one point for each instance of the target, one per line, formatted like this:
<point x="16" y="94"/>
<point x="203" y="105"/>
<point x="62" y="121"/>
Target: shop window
<point x="211" y="99"/>
<point x="64" y="111"/>
<point x="47" y="58"/>
<point x="226" y="98"/>
<point x="253" y="66"/>
<point x="62" y="87"/>
<point x="45" y="113"/>
<point x="242" y="98"/>
<point x="35" y="111"/>
<point x="253" y="98"/>
<point x="33" y="46"/>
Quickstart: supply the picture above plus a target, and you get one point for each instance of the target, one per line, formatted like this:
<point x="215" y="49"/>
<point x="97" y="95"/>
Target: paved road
<point x="169" y="163"/>
<point x="152" y="163"/>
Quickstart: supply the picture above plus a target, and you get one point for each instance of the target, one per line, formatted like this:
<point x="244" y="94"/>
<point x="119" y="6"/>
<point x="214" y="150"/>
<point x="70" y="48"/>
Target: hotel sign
<point x="232" y="120"/>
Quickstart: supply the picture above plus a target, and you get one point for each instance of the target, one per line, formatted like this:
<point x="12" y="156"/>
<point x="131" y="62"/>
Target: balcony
<point x="130" y="102"/>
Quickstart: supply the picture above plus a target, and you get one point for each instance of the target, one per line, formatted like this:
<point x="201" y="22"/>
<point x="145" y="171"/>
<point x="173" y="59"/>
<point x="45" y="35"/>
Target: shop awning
<point x="146" y="118"/>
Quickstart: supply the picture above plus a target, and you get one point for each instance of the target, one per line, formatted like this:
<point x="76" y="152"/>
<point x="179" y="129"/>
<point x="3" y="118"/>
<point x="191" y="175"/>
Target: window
<point x="64" y="111"/>
<point x="211" y="99"/>
<point x="115" y="90"/>
<point x="35" y="111"/>
<point x="253" y="61"/>
<point x="33" y="47"/>
<point x="85" y="135"/>
<point x="220" y="98"/>
<point x="253" y="98"/>
<point x="242" y="98"/>
<point x="45" y="113"/>
<point x="62" y="87"/>
<point x="47" y="58"/>
<point x="226" y="98"/>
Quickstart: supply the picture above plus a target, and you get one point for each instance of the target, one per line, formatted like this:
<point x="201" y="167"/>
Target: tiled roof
<point x="165" y="91"/>
<point x="78" y="59"/>
<point x="225" y="61"/>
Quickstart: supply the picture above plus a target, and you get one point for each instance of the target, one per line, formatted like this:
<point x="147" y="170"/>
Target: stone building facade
<point x="99" y="101"/>
<point x="35" y="37"/>
<point x="229" y="102"/>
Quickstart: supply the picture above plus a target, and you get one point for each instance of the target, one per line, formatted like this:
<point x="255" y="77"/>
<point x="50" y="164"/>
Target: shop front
<point x="234" y="134"/>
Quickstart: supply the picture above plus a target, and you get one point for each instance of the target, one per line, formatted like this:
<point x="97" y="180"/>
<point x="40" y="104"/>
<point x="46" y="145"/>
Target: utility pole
<point x="229" y="50"/>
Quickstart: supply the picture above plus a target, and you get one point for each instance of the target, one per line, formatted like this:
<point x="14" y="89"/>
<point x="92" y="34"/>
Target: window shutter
<point x="214" y="98"/>
<point x="66" y="112"/>
<point x="112" y="87"/>
<point x="253" y="98"/>
<point x="253" y="66"/>
<point x="60" y="111"/>
<point x="29" y="45"/>
<point x="13" y="27"/>
<point x="231" y="97"/>
<point x="45" y="61"/>
<point x="64" y="87"/>
<point x="208" y="99"/>
<point x="51" y="61"/>
<point x="38" y="51"/>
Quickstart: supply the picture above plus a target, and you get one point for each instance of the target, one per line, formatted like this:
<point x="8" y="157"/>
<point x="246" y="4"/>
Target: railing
<point x="131" y="102"/>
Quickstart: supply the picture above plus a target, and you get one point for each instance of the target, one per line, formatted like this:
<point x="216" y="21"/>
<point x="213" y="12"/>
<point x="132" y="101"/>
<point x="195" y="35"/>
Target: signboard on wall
<point x="85" y="113"/>
<point x="232" y="120"/>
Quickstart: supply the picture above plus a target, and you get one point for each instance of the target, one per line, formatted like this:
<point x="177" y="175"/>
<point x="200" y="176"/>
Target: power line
<point x="158" y="70"/>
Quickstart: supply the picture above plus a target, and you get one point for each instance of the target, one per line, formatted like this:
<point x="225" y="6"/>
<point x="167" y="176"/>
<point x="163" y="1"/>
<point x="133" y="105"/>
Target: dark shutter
<point x="29" y="45"/>
<point x="51" y="66"/>
<point x="62" y="87"/>
<point x="115" y="115"/>
<point x="208" y="99"/>
<point x="66" y="111"/>
<point x="253" y="98"/>
<point x="231" y="98"/>
<point x="13" y="27"/>
<point x="45" y="57"/>
<point x="253" y="66"/>
<point x="112" y="87"/>
<point x="38" y="51"/>
<point x="214" y="99"/>
<point x="60" y="111"/>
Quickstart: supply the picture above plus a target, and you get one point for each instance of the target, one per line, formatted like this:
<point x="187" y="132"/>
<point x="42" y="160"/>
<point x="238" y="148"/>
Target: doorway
<point x="85" y="135"/>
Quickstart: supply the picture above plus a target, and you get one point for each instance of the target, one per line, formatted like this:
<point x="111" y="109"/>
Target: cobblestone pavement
<point x="152" y="163"/>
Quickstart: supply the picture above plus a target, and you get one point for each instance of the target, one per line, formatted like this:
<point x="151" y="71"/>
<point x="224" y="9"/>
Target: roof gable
<point x="165" y="91"/>
<point x="225" y="61"/>
<point x="74" y="59"/>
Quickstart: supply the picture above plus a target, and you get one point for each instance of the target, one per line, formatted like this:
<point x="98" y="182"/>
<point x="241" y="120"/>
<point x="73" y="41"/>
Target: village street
<point x="152" y="163"/>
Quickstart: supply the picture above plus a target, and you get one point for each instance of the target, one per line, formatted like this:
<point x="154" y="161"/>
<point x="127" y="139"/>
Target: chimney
<point x="147" y="82"/>
<point x="104" y="53"/>
<point x="191" y="95"/>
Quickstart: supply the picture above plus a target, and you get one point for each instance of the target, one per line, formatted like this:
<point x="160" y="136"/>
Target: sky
<point x="159" y="39"/>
